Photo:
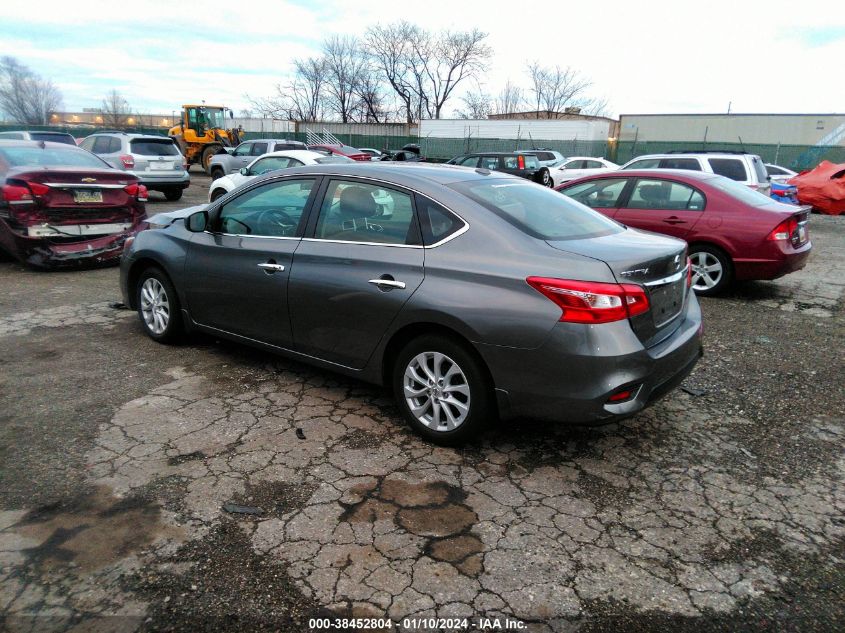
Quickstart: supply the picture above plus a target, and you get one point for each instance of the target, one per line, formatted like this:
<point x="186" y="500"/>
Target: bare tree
<point x="477" y="105"/>
<point x="510" y="99"/>
<point x="425" y="68"/>
<point x="372" y="102"/>
<point x="556" y="88"/>
<point x="345" y="65"/>
<point x="301" y="99"/>
<point x="115" y="110"/>
<point x="24" y="96"/>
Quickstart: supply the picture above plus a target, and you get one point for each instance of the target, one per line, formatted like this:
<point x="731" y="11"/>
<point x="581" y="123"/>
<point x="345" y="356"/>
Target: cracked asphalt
<point x="718" y="509"/>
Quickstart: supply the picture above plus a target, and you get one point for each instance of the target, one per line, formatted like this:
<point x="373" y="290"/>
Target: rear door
<point x="601" y="194"/>
<point x="663" y="206"/>
<point x="354" y="273"/>
<point x="240" y="268"/>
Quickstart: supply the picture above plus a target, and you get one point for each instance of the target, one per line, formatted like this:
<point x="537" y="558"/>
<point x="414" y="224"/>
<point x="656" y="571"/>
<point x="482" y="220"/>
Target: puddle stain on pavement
<point x="435" y="511"/>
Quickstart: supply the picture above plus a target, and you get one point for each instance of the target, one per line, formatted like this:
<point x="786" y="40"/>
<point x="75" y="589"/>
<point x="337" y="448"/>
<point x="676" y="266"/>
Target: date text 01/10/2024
<point x="417" y="624"/>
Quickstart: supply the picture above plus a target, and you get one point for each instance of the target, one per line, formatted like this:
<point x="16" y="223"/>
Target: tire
<point x="470" y="407"/>
<point x="217" y="194"/>
<point x="173" y="194"/>
<point x="545" y="178"/>
<point x="153" y="286"/>
<point x="712" y="270"/>
<point x="216" y="173"/>
<point x="207" y="153"/>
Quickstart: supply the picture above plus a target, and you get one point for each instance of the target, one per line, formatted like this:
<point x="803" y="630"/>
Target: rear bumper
<point x="170" y="181"/>
<point x="571" y="377"/>
<point x="40" y="252"/>
<point x="781" y="260"/>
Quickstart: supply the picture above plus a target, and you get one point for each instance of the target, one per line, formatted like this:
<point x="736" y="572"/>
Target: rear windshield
<point x="148" y="147"/>
<point x="743" y="192"/>
<point x="55" y="138"/>
<point x="760" y="168"/>
<point x="328" y="160"/>
<point x="346" y="149"/>
<point x="538" y="211"/>
<point x="52" y="156"/>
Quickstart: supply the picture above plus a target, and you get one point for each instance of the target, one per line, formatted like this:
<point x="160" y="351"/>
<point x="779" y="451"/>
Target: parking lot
<point x="212" y="486"/>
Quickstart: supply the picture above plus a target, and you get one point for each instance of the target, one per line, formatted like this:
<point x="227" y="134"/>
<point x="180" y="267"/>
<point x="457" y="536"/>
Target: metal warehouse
<point x="774" y="129"/>
<point x="582" y="129"/>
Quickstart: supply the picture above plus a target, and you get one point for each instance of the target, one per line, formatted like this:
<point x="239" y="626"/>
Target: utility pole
<point x="729" y="106"/>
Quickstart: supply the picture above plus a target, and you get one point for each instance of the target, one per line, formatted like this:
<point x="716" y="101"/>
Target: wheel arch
<point x="135" y="271"/>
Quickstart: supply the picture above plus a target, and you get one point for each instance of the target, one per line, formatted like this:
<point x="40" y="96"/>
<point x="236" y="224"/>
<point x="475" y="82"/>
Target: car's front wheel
<point x="217" y="194"/>
<point x="158" y="306"/>
<point x="442" y="389"/>
<point x="711" y="270"/>
<point x="173" y="194"/>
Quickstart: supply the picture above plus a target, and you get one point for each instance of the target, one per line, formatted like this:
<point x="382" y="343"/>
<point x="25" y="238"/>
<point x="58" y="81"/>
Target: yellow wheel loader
<point x="202" y="133"/>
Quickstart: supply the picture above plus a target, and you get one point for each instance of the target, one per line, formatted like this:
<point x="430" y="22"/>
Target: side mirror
<point x="197" y="222"/>
<point x="243" y="171"/>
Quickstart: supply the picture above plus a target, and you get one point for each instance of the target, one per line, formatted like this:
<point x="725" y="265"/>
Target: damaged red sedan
<point x="61" y="206"/>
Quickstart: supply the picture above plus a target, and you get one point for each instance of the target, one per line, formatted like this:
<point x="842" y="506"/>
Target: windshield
<point x="50" y="157"/>
<point x="214" y="117"/>
<point x="536" y="210"/>
<point x="742" y="192"/>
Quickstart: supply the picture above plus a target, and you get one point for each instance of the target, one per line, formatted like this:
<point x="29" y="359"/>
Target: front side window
<point x="269" y="164"/>
<point x="598" y="194"/>
<point x="645" y="163"/>
<point x="363" y="212"/>
<point x="537" y="211"/>
<point x="690" y="164"/>
<point x="665" y="195"/>
<point x="732" y="168"/>
<point x="271" y="210"/>
<point x="243" y="149"/>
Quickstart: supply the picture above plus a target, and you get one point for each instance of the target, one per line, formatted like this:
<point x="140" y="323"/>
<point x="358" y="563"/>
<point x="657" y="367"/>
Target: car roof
<point x="516" y="151"/>
<point x="53" y="132"/>
<point x="12" y="142"/>
<point x="408" y="174"/>
<point x="586" y="158"/>
<point x="703" y="153"/>
<point x="680" y="174"/>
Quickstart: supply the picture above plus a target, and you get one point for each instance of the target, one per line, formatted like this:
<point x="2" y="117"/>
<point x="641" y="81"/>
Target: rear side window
<point x="490" y="162"/>
<point x="102" y="145"/>
<point x="598" y="194"/>
<point x="732" y="168"/>
<point x="148" y="147"/>
<point x="593" y="164"/>
<point x="690" y="164"/>
<point x="775" y="171"/>
<point x="436" y="221"/>
<point x="665" y="195"/>
<point x="545" y="156"/>
<point x="259" y="148"/>
<point x="537" y="211"/>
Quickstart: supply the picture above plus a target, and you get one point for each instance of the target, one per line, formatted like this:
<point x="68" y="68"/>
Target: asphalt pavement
<point x="208" y="486"/>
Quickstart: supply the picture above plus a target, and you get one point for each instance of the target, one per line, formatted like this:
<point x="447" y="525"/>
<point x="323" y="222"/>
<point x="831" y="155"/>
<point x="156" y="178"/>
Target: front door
<point x="662" y="206"/>
<point x="349" y="280"/>
<point x="239" y="269"/>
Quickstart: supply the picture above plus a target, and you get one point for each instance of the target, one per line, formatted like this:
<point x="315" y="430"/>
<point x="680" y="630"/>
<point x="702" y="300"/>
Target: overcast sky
<point x="642" y="56"/>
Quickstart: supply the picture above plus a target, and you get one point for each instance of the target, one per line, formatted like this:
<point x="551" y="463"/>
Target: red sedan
<point x="734" y="232"/>
<point x="342" y="150"/>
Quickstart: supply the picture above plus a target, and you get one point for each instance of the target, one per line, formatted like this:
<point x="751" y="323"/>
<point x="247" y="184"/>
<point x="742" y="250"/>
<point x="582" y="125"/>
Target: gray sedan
<point x="481" y="294"/>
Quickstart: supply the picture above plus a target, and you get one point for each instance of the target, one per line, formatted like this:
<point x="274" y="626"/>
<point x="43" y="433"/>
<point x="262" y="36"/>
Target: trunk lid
<point x="656" y="262"/>
<point x="68" y="196"/>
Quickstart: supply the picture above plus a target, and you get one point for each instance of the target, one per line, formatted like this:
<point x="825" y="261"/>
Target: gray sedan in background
<point x="480" y="295"/>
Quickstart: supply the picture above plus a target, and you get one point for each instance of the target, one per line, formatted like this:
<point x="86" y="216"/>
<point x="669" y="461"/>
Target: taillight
<point x="137" y="191"/>
<point x="592" y="302"/>
<point x="520" y="162"/>
<point x="128" y="161"/>
<point x="785" y="229"/>
<point x="17" y="194"/>
<point x="38" y="189"/>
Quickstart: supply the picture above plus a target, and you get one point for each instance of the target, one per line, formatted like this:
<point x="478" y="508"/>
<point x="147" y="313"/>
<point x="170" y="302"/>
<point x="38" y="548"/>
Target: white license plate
<point x="83" y="196"/>
<point x="161" y="166"/>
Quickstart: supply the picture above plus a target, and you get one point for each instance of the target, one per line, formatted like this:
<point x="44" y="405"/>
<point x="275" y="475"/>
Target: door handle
<point x="270" y="267"/>
<point x="389" y="283"/>
<point x="674" y="220"/>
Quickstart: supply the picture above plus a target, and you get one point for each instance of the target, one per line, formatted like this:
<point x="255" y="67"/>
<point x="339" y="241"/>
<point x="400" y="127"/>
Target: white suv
<point x="745" y="168"/>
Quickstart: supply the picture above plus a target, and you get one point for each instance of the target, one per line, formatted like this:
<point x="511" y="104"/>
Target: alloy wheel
<point x="155" y="306"/>
<point x="707" y="270"/>
<point x="436" y="391"/>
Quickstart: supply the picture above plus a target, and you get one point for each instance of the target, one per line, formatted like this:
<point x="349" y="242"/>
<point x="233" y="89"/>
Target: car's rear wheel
<point x="442" y="389"/>
<point x="217" y="194"/>
<point x="173" y="194"/>
<point x="546" y="178"/>
<point x="216" y="173"/>
<point x="711" y="270"/>
<point x="158" y="306"/>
